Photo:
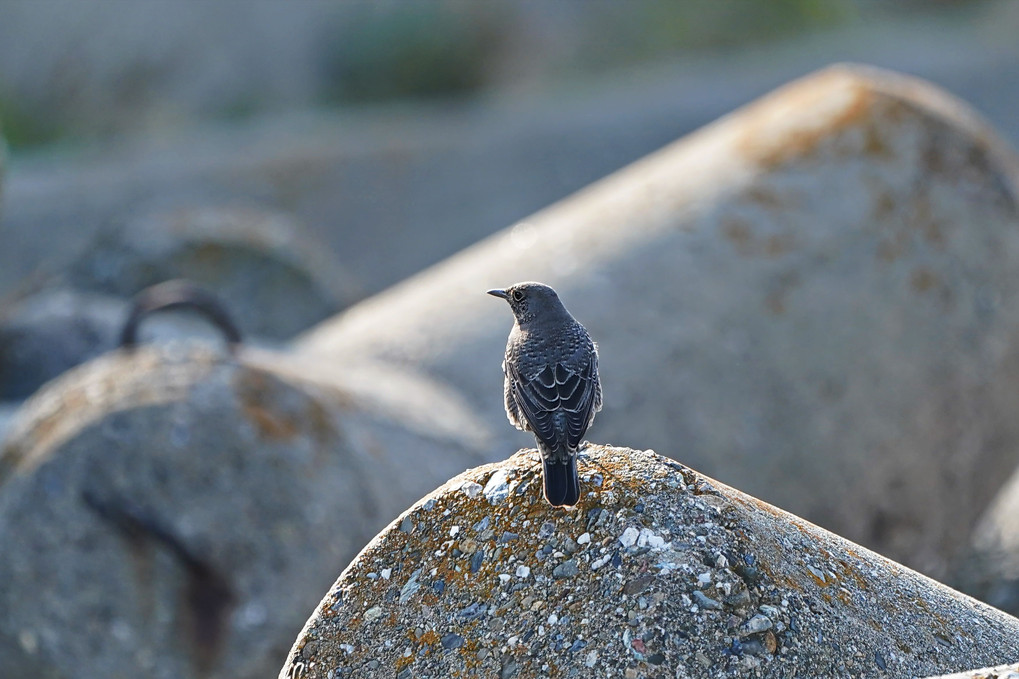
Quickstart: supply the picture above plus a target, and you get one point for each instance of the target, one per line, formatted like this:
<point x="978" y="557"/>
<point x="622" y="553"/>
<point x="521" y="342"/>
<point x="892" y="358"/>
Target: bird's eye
<point x="518" y="295"/>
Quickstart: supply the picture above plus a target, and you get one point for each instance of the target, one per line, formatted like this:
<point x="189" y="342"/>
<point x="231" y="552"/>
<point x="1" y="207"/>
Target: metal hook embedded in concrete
<point x="178" y="294"/>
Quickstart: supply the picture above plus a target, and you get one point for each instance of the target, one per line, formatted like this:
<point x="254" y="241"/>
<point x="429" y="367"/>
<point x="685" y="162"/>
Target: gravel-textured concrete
<point x="823" y="282"/>
<point x="173" y="512"/>
<point x="657" y="572"/>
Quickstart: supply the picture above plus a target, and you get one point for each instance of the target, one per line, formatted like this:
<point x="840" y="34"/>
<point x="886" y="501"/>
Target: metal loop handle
<point x="178" y="294"/>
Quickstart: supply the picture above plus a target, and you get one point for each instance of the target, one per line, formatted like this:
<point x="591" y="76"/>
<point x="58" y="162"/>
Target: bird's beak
<point x="499" y="293"/>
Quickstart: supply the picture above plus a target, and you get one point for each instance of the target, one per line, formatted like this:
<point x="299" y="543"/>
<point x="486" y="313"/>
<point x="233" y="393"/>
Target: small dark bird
<point x="552" y="387"/>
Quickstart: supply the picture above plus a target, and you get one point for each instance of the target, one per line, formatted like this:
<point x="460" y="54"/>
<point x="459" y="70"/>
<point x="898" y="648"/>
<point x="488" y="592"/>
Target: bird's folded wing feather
<point x="555" y="387"/>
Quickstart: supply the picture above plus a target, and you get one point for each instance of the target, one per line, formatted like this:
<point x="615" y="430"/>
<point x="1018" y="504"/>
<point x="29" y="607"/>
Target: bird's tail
<point x="562" y="485"/>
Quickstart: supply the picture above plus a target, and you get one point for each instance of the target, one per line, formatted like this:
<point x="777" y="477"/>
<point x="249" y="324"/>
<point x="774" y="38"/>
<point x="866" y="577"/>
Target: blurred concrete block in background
<point x="44" y="334"/>
<point x="174" y="512"/>
<point x="657" y="572"/>
<point x="814" y="299"/>
<point x="989" y="568"/>
<point x="273" y="275"/>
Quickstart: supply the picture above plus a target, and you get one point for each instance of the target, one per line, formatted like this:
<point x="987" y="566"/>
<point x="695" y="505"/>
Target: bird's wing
<point x="535" y="401"/>
<point x="583" y="400"/>
<point x="556" y="388"/>
<point x="512" y="410"/>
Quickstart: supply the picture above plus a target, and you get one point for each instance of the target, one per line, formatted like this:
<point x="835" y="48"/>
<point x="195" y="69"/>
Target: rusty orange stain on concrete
<point x="778" y="244"/>
<point x="766" y="197"/>
<point x="892" y="246"/>
<point x="775" y="303"/>
<point x="774" y="131"/>
<point x="884" y="205"/>
<point x="253" y="391"/>
<point x="739" y="232"/>
<point x="922" y="280"/>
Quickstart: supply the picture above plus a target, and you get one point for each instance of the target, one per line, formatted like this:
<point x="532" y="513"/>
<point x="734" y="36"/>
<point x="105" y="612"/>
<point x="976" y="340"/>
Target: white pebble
<point x="453" y="531"/>
<point x="471" y="489"/>
<point x="655" y="541"/>
<point x="386" y="572"/>
<point x="523" y="571"/>
<point x="584" y="539"/>
<point x="592" y="659"/>
<point x="553" y="619"/>
<point x="756" y="624"/>
<point x="497" y="489"/>
<point x="629" y="537"/>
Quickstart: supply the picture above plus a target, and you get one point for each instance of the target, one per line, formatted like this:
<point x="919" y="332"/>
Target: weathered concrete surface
<point x="658" y="572"/>
<point x="273" y="276"/>
<point x="989" y="569"/>
<point x="173" y="512"/>
<point x="999" y="672"/>
<point x="822" y="282"/>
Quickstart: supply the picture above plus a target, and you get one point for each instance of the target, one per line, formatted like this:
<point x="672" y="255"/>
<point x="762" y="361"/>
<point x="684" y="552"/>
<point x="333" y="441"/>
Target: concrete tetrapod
<point x="657" y="572"/>
<point x="174" y="511"/>
<point x="816" y="296"/>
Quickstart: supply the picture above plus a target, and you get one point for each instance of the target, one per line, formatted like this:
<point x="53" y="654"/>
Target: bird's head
<point x="532" y="300"/>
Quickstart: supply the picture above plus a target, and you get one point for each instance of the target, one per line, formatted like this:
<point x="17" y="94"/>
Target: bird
<point x="551" y="384"/>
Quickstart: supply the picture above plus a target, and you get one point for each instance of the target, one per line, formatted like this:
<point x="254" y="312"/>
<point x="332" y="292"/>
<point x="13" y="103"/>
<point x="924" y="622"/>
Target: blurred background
<point x="417" y="126"/>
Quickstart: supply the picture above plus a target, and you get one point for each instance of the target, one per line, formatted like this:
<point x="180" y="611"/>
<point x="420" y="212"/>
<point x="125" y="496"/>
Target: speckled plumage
<point x="551" y="382"/>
